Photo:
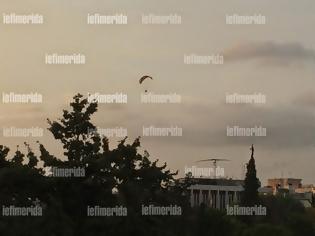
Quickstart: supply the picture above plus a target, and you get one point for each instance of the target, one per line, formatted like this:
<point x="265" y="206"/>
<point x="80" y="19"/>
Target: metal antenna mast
<point x="214" y="161"/>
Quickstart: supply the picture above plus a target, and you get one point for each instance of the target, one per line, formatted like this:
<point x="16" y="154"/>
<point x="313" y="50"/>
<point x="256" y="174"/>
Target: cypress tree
<point x="252" y="183"/>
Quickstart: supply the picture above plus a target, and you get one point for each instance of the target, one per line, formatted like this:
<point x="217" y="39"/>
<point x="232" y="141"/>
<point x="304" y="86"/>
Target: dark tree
<point x="18" y="157"/>
<point x="3" y="154"/>
<point x="250" y="195"/>
<point x="119" y="176"/>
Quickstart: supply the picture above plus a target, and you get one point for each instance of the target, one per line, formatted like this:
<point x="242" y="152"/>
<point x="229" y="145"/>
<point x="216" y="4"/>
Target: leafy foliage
<point x="119" y="176"/>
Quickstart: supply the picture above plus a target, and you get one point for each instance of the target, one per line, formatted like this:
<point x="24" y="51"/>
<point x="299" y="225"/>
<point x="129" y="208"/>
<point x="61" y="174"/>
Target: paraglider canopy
<point x="143" y="78"/>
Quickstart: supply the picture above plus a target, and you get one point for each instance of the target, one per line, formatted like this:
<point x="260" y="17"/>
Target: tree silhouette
<point x="18" y="157"/>
<point x="133" y="176"/>
<point x="251" y="185"/>
<point x="121" y="176"/>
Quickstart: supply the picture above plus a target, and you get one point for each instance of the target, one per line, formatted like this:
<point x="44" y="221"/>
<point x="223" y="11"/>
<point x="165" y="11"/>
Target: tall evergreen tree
<point x="32" y="159"/>
<point x="3" y="154"/>
<point x="252" y="183"/>
<point x="18" y="157"/>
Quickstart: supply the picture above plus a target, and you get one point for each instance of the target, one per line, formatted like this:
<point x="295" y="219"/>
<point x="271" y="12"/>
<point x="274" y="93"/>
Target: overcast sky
<point x="276" y="59"/>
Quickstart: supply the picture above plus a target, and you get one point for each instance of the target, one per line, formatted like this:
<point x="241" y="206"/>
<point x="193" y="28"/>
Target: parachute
<point x="143" y="78"/>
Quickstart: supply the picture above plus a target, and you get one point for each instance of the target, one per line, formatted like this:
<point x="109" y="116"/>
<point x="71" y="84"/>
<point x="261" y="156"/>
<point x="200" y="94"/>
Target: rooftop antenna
<point x="214" y="162"/>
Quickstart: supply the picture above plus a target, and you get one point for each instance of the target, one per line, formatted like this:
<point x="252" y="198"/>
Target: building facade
<point x="215" y="193"/>
<point x="284" y="183"/>
<point x="290" y="187"/>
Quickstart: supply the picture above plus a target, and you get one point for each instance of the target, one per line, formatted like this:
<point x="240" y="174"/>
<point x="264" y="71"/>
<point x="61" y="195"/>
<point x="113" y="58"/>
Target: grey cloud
<point x="287" y="127"/>
<point x="270" y="52"/>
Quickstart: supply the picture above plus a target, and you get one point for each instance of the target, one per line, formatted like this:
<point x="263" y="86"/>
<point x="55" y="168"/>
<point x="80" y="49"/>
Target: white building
<point x="215" y="193"/>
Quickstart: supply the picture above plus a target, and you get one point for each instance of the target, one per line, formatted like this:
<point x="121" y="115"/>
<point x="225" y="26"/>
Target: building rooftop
<point x="221" y="182"/>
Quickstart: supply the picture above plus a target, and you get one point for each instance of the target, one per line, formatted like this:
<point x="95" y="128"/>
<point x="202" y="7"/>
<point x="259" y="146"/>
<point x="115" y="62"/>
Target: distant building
<point x="267" y="190"/>
<point x="215" y="193"/>
<point x="308" y="188"/>
<point x="284" y="183"/>
<point x="306" y="194"/>
<point x="305" y="198"/>
<point x="290" y="187"/>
